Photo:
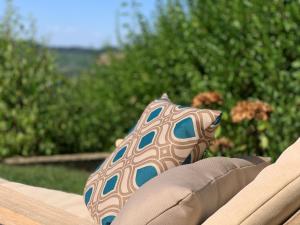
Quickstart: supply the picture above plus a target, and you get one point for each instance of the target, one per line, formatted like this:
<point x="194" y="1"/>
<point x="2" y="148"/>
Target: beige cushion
<point x="271" y="198"/>
<point x="68" y="202"/>
<point x="18" y="209"/>
<point x="189" y="194"/>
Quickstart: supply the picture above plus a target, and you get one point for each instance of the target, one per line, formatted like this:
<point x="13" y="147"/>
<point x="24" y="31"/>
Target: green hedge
<point x="242" y="49"/>
<point x="30" y="91"/>
<point x="245" y="50"/>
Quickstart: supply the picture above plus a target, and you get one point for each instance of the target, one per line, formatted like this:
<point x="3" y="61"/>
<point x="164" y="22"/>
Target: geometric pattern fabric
<point x="165" y="136"/>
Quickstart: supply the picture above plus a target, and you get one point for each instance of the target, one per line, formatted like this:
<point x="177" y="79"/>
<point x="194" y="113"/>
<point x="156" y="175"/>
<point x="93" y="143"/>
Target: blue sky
<point x="90" y="23"/>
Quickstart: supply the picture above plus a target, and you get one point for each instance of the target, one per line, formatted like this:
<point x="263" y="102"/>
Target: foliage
<point x="27" y="91"/>
<point x="88" y="117"/>
<point x="41" y="111"/>
<point x="242" y="49"/>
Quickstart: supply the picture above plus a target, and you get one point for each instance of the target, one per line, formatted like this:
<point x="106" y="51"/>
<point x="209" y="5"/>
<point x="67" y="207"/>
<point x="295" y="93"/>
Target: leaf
<point x="264" y="141"/>
<point x="296" y="64"/>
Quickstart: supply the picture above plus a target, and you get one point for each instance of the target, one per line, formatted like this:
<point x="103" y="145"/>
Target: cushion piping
<point x="270" y="199"/>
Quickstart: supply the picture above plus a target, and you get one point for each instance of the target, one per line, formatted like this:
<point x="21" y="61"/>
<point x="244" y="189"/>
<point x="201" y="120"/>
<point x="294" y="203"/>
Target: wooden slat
<point x="8" y="217"/>
<point x="56" y="158"/>
<point x="15" y="207"/>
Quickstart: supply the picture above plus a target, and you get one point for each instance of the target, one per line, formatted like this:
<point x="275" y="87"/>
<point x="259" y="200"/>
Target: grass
<point x="53" y="177"/>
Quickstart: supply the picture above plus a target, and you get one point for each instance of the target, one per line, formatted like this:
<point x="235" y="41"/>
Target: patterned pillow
<point x="166" y="135"/>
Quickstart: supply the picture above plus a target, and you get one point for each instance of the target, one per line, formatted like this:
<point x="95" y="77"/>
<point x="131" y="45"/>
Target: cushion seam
<point x="227" y="172"/>
<point x="269" y="199"/>
<point x="210" y="182"/>
<point x="172" y="206"/>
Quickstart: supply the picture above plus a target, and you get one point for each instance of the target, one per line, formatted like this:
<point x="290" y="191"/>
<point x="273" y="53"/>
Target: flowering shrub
<point x="243" y="57"/>
<point x="249" y="110"/>
<point x="207" y="98"/>
<point x="229" y="52"/>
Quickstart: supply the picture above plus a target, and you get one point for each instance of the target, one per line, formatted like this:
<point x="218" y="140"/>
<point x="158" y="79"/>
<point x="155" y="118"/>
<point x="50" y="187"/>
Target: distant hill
<point x="72" y="61"/>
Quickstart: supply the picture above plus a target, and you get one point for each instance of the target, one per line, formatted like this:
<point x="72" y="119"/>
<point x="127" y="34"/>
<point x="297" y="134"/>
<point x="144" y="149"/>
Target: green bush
<point x="89" y="117"/>
<point x="43" y="112"/>
<point x="27" y="91"/>
<point x="245" y="50"/>
<point x="242" y="49"/>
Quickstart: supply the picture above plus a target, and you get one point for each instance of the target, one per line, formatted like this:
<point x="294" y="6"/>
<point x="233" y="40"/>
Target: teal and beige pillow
<point x="165" y="136"/>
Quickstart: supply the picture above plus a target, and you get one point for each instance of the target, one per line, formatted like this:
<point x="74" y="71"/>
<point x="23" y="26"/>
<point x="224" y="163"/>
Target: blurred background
<point x="75" y="76"/>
